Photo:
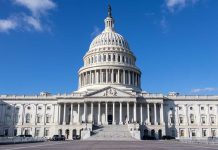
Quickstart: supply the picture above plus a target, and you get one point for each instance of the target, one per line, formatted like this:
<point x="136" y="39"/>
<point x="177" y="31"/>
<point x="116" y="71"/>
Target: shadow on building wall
<point x="8" y="119"/>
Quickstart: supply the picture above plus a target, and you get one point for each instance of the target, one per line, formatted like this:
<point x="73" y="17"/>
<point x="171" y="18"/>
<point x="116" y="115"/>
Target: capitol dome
<point x="109" y="62"/>
<point x="109" y="38"/>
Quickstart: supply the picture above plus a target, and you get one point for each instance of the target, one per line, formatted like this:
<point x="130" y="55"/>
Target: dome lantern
<point x="109" y="21"/>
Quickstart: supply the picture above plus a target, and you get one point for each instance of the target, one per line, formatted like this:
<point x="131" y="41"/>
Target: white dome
<point x="109" y="38"/>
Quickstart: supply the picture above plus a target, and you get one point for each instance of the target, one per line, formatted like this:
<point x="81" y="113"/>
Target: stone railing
<point x="193" y="97"/>
<point x="15" y="140"/>
<point x="134" y="131"/>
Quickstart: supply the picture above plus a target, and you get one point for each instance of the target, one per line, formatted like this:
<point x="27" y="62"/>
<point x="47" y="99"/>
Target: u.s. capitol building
<point x="109" y="95"/>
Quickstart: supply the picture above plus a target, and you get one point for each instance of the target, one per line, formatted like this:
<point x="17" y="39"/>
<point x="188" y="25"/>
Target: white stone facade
<point x="109" y="92"/>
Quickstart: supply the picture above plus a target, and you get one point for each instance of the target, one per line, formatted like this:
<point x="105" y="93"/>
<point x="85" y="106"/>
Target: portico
<point x="122" y="111"/>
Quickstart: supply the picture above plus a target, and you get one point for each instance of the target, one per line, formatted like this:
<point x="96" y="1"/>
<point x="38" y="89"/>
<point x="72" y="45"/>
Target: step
<point x="112" y="132"/>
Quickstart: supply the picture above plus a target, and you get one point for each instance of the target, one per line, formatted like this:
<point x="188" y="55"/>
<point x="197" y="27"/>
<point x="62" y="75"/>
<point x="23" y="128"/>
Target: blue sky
<point x="42" y="43"/>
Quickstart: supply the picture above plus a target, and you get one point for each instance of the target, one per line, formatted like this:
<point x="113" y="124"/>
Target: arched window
<point x="28" y="118"/>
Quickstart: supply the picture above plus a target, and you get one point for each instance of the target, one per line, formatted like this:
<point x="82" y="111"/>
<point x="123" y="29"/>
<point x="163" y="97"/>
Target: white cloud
<point x="35" y="23"/>
<point x="7" y="24"/>
<point x="173" y="4"/>
<point x="37" y="19"/>
<point x="37" y="7"/>
<point x="201" y="90"/>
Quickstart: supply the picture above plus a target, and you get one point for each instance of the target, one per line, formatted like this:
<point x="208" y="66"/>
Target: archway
<point x="74" y="133"/>
<point x="146" y="132"/>
<point x="159" y="134"/>
<point x="152" y="133"/>
<point x="110" y="119"/>
<point x="67" y="133"/>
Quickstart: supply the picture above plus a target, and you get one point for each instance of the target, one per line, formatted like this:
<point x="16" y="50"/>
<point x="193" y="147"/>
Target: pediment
<point x="109" y="92"/>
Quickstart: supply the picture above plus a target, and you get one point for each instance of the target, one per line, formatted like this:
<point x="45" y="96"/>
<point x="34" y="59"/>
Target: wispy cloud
<point x="164" y="24"/>
<point x="34" y="20"/>
<point x="169" y="7"/>
<point x="96" y="31"/>
<point x="37" y="7"/>
<point x="178" y="4"/>
<point x="203" y="90"/>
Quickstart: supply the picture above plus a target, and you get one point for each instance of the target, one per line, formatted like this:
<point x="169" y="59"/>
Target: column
<point x="134" y="112"/>
<point x="23" y="114"/>
<point x="199" y="114"/>
<point x="99" y="113"/>
<point x="96" y="81"/>
<point x="141" y="116"/>
<point x="71" y="114"/>
<point x="106" y="115"/>
<point x="92" y="112"/>
<point x="84" y="111"/>
<point x="59" y="114"/>
<point x="112" y="76"/>
<point x="53" y="113"/>
<point x="106" y="75"/>
<point x="148" y="114"/>
<point x="64" y="117"/>
<point x="114" y="113"/>
<point x="36" y="114"/>
<point x="136" y="82"/>
<point x="79" y="82"/>
<point x="121" y="121"/>
<point x="217" y="114"/>
<point x="162" y="114"/>
<point x="129" y="77"/>
<point x="133" y="82"/>
<point x="124" y="77"/>
<point x="155" y="113"/>
<point x="87" y="78"/>
<point x="118" y="81"/>
<point x="101" y="76"/>
<point x="78" y="121"/>
<point x="13" y="114"/>
<point x="187" y="116"/>
<point x="208" y="114"/>
<point x="176" y="116"/>
<point x="127" y="112"/>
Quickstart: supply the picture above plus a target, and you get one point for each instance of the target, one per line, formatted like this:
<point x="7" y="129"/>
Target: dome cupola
<point x="109" y="62"/>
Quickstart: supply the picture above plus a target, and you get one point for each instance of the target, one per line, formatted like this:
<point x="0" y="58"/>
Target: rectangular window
<point x="48" y="119"/>
<point x="192" y="118"/>
<point x="212" y="119"/>
<point x="46" y="132"/>
<point x="182" y="133"/>
<point x="204" y="133"/>
<point x="39" y="119"/>
<point x="203" y="120"/>
<point x="114" y="57"/>
<point x="193" y="133"/>
<point x="171" y="119"/>
<point x="109" y="57"/>
<point x="104" y="58"/>
<point x="37" y="132"/>
<point x="181" y="120"/>
<point x="213" y="132"/>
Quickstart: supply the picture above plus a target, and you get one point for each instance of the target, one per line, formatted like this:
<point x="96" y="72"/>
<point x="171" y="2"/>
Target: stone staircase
<point x="111" y="133"/>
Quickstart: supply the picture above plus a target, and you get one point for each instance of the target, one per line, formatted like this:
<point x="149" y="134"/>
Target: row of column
<point x="148" y="121"/>
<point x="110" y="58"/>
<point x="121" y="76"/>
